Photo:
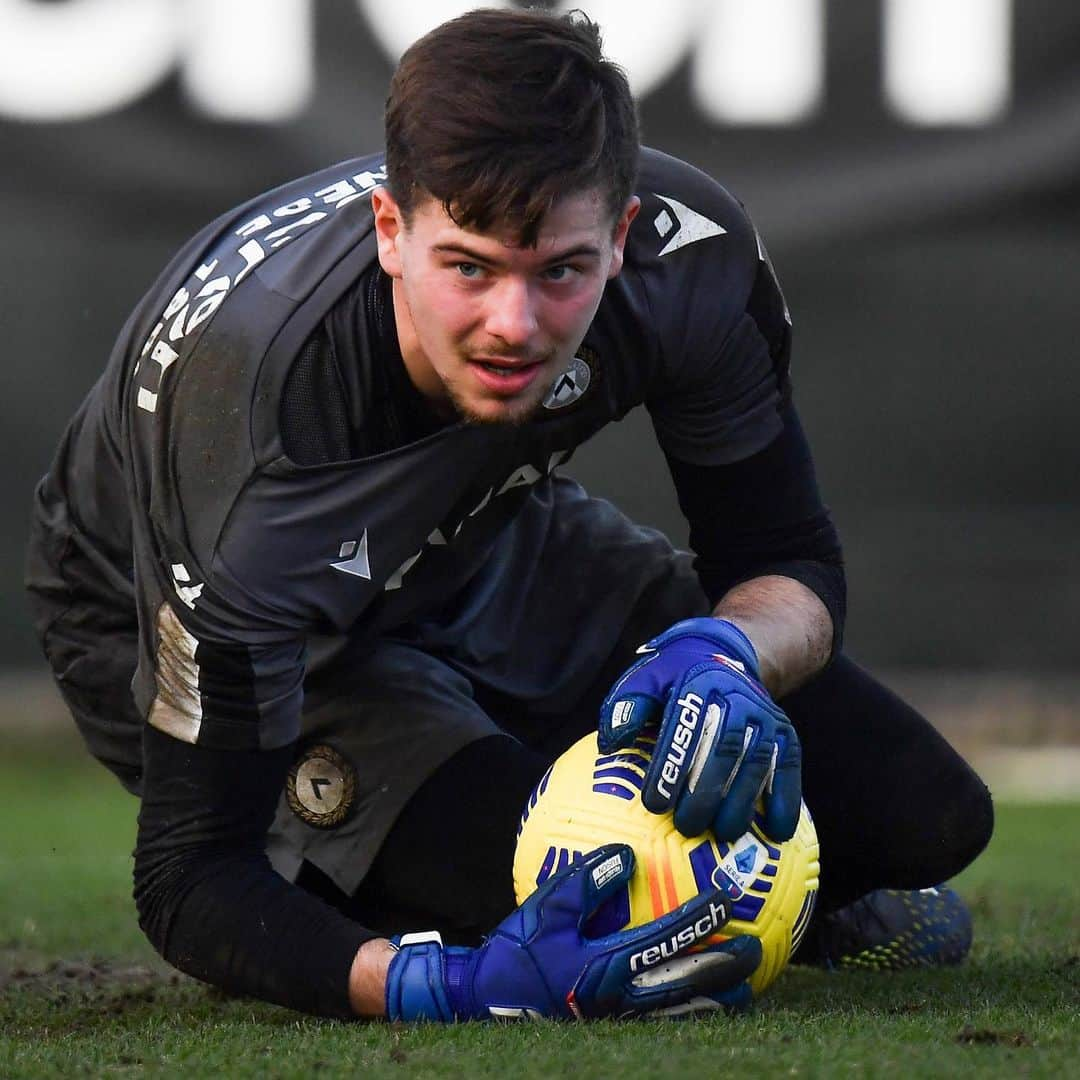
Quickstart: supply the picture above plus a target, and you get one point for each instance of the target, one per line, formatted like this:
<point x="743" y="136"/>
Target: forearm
<point x="788" y="624"/>
<point x="367" y="977"/>
<point x="206" y="894"/>
<point x="762" y="520"/>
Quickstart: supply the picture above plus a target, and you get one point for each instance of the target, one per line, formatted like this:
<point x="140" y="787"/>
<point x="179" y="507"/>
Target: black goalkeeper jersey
<point x="176" y="473"/>
<point x="254" y="487"/>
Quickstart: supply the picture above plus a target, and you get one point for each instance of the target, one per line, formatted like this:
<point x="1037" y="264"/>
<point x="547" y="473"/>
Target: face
<point x="486" y="326"/>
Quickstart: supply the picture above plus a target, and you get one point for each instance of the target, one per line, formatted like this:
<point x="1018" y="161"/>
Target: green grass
<point x="81" y="993"/>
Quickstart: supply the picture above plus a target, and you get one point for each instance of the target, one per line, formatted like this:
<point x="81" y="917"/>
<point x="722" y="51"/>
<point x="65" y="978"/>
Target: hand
<point x="539" y="963"/>
<point x="722" y="742"/>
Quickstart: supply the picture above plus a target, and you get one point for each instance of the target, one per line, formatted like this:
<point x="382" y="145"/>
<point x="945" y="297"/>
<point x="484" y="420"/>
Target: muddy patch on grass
<point x="41" y="999"/>
<point x="59" y="976"/>
<point x="79" y="990"/>
<point x="56" y="998"/>
<point x="972" y="1036"/>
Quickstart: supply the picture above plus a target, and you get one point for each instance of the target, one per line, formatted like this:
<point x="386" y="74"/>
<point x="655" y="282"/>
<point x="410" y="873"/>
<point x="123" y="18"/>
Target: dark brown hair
<point x="497" y="114"/>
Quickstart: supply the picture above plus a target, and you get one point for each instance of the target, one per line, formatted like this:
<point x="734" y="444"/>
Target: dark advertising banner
<point x="912" y="164"/>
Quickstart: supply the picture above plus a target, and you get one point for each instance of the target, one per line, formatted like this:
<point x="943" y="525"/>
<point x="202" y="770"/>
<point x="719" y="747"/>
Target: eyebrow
<point x="476" y="256"/>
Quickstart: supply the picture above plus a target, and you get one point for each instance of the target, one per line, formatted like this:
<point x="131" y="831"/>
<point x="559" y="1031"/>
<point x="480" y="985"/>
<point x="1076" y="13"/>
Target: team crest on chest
<point x="574" y="382"/>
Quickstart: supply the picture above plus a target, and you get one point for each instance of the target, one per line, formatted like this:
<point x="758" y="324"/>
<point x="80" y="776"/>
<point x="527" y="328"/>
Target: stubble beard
<point x="514" y="414"/>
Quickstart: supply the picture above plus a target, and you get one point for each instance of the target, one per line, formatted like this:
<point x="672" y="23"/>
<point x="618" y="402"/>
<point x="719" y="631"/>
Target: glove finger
<point x="693" y="721"/>
<point x="733" y="811"/>
<point x="638" y="697"/>
<point x="571" y="897"/>
<point x="623" y="717"/>
<point x="783" y="803"/>
<point x="717" y="763"/>
<point x="701" y="981"/>
<point x="604" y="987"/>
<point x="604" y="871"/>
<point x="733" y="1001"/>
<point x="679" y="930"/>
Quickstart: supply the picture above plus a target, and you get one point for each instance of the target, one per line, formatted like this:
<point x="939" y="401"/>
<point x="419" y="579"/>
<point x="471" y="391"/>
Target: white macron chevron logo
<point x="355" y="558"/>
<point x="689" y="226"/>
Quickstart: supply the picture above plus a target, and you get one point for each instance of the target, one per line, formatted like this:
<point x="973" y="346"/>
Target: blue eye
<point x="468" y="270"/>
<point x="560" y="273"/>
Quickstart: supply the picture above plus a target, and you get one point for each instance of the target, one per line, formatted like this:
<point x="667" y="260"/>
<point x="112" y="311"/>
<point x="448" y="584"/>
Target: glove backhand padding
<point x="722" y="743"/>
<point x="539" y="963"/>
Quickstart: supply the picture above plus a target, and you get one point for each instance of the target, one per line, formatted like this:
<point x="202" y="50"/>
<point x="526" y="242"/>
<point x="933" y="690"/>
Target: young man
<point x="314" y="589"/>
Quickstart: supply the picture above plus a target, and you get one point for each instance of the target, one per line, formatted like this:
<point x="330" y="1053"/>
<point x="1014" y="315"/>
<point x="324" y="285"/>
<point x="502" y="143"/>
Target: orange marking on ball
<point x="669" y="883"/>
<point x="654" y="889"/>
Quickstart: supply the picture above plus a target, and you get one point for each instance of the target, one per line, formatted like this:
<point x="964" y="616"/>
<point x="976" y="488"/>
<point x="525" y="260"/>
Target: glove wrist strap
<point x="737" y="642"/>
<point x="416" y="980"/>
<point x="724" y="634"/>
<point x="458" y="970"/>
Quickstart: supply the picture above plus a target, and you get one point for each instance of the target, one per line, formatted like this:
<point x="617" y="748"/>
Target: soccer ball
<point x="587" y="799"/>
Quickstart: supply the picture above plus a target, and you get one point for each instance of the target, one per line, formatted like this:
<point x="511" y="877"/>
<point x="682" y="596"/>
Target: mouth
<point x="505" y="376"/>
<point x="505" y="367"/>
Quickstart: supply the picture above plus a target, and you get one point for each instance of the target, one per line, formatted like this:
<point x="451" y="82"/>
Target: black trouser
<point x="894" y="805"/>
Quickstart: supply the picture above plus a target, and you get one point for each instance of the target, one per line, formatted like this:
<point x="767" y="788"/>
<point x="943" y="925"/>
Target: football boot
<point x="892" y="929"/>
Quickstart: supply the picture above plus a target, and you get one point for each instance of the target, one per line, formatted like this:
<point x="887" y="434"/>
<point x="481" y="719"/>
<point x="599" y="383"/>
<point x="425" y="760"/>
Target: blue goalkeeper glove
<point x="539" y="963"/>
<point x="722" y="742"/>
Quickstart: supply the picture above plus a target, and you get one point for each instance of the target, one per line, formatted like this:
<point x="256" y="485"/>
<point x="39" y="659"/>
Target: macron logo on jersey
<point x="689" y="226"/>
<point x="355" y="556"/>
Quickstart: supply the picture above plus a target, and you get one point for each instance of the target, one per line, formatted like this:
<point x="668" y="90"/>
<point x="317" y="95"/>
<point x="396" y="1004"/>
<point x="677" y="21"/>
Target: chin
<point x="474" y="408"/>
<point x="501" y="416"/>
<point x="498" y="413"/>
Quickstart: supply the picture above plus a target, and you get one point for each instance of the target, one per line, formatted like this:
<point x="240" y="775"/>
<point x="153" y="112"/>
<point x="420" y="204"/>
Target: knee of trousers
<point x="959" y="828"/>
<point x="977" y="812"/>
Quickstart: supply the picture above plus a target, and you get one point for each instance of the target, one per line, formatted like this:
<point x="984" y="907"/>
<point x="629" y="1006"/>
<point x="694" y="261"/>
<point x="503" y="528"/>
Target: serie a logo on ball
<point x="587" y="799"/>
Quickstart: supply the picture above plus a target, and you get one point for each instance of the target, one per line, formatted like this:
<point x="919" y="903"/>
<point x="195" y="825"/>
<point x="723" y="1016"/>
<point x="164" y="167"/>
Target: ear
<point x="622" y="227"/>
<point x="389" y="225"/>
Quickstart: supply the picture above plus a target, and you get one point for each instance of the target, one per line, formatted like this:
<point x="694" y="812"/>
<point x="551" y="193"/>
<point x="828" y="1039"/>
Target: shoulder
<point x="282" y="258"/>
<point x="692" y="255"/>
<point x="229" y="327"/>
<point x="692" y="249"/>
<point x="284" y="240"/>
<point x="683" y="208"/>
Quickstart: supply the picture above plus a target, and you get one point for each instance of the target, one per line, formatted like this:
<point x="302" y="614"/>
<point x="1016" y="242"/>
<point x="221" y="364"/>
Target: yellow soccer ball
<point x="587" y="799"/>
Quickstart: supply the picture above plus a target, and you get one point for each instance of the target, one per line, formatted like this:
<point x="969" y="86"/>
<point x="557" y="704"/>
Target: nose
<point x="511" y="315"/>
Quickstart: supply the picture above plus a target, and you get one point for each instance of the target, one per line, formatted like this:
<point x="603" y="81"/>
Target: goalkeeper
<point x="315" y="590"/>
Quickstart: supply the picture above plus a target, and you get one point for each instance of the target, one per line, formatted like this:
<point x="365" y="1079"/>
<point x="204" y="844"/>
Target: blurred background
<point x="912" y="164"/>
